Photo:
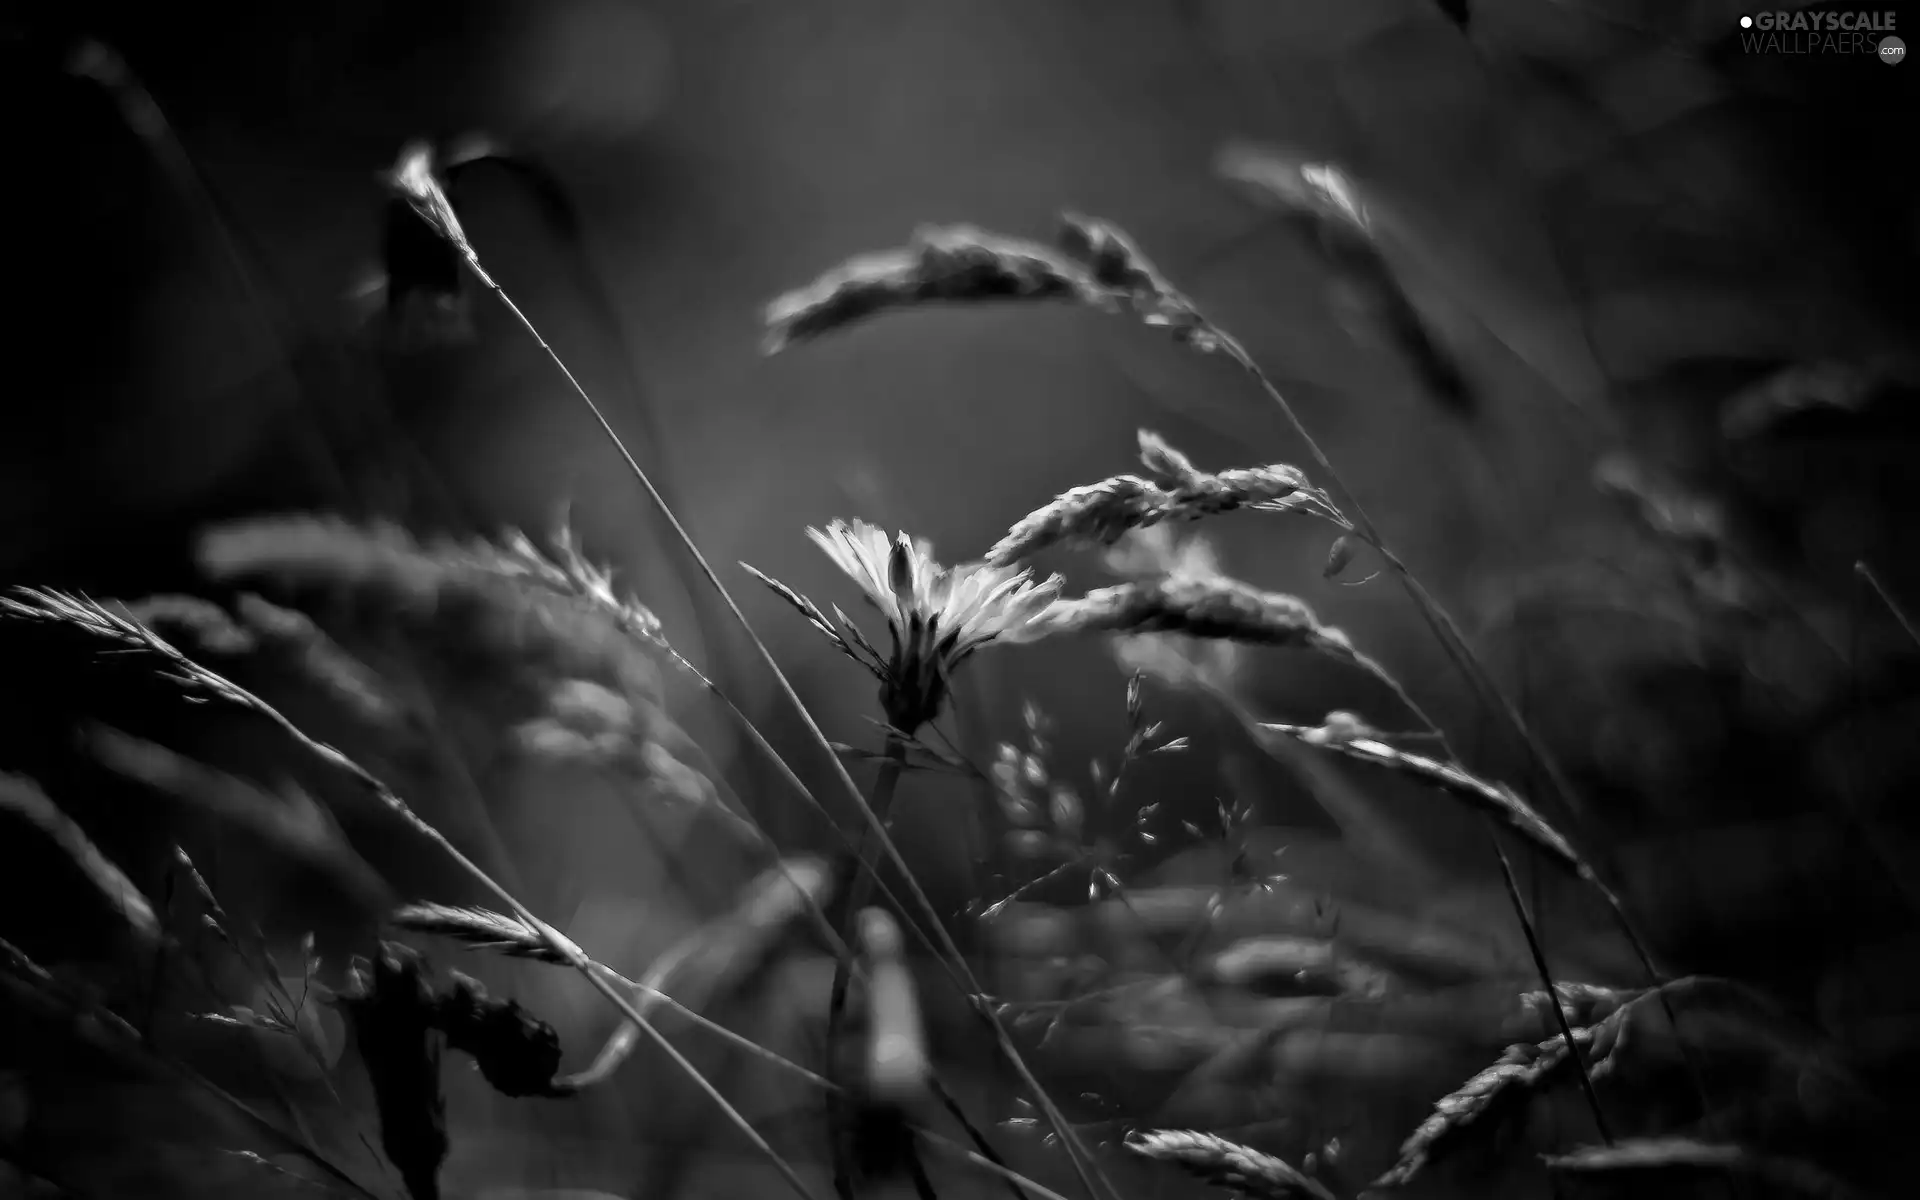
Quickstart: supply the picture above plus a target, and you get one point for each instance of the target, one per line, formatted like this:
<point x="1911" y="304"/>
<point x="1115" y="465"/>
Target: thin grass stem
<point x="866" y="872"/>
<point x="1091" y="1176"/>
<point x="1893" y="606"/>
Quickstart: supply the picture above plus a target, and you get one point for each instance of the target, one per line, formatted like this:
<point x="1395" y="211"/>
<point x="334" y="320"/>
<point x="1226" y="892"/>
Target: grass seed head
<point x="1212" y="608"/>
<point x="478" y="928"/>
<point x="1318" y="192"/>
<point x="283" y="817"/>
<point x="202" y="622"/>
<point x="24" y="799"/>
<point x="413" y="179"/>
<point x="1102" y="513"/>
<point x="1340" y="734"/>
<point x="950" y="264"/>
<point x="506" y="603"/>
<point x="1483" y="1111"/>
<point x="323" y="661"/>
<point x="1687" y="1161"/>
<point x="1118" y="265"/>
<point x="1227" y="1164"/>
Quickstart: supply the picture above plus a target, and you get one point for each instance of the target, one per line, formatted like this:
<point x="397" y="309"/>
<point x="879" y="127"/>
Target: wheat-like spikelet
<point x="1101" y="513"/>
<point x="1498" y="800"/>
<point x="1215" y="607"/>
<point x="262" y="624"/>
<point x="33" y="993"/>
<point x="322" y="661"/>
<point x="1320" y="192"/>
<point x="413" y="180"/>
<point x="480" y="928"/>
<point x="1328" y="206"/>
<point x="1646" y="1160"/>
<point x="204" y="623"/>
<point x="1227" y="1164"/>
<point x="1096" y="265"/>
<point x="1834" y="385"/>
<point x="956" y="263"/>
<point x="1482" y="1109"/>
<point x="51" y="606"/>
<point x="286" y="818"/>
<point x="1583" y="1003"/>
<point x="422" y="248"/>
<point x="501" y="933"/>
<point x="1118" y="264"/>
<point x="722" y="949"/>
<point x="582" y="722"/>
<point x="1662" y="506"/>
<point x="507" y="600"/>
<point x="23" y="797"/>
<point x="1479" y="1110"/>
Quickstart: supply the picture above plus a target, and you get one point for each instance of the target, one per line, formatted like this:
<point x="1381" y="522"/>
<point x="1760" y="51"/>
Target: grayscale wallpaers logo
<point x="1850" y="32"/>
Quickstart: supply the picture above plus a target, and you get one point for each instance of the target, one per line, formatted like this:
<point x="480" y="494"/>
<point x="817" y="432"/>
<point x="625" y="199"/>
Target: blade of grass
<point x="102" y="622"/>
<point x="434" y="209"/>
<point x="1893" y="606"/>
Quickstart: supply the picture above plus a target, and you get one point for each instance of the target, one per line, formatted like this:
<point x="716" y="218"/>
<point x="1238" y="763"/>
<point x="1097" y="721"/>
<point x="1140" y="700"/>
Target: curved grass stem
<point x="554" y="939"/>
<point x="1092" y="1178"/>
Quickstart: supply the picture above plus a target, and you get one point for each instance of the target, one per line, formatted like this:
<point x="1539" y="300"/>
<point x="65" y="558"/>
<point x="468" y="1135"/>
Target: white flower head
<point x="936" y="616"/>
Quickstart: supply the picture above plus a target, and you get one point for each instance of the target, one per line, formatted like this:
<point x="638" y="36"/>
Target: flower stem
<point x="866" y="870"/>
<point x="1092" y="1178"/>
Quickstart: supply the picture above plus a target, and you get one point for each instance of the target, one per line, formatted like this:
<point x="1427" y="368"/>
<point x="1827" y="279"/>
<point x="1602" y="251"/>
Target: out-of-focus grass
<point x="1723" y="694"/>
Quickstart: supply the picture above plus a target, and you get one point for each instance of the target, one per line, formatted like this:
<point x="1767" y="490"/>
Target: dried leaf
<point x="516" y="1052"/>
<point x="390" y="1005"/>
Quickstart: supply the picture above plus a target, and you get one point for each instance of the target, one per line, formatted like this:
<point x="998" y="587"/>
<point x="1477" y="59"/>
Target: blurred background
<point x="1621" y="229"/>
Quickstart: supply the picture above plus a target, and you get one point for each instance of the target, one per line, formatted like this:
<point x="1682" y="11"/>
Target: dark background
<point x="1613" y="216"/>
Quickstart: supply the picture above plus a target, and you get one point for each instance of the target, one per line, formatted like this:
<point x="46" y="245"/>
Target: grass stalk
<point x="1441" y="623"/>
<point x="866" y="872"/>
<point x="1452" y="640"/>
<point x="559" y="943"/>
<point x="1893" y="606"/>
<point x="1091" y="1176"/>
<point x="520" y="941"/>
<point x="1528" y="930"/>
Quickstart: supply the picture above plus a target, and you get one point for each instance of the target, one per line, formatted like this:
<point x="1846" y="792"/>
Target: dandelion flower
<point x="936" y="616"/>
